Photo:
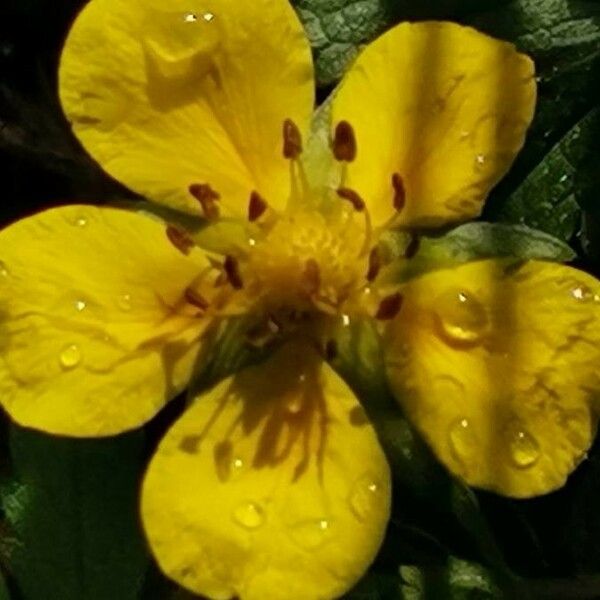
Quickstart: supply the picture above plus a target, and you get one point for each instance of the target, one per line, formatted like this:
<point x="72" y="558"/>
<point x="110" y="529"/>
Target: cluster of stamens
<point x="285" y="280"/>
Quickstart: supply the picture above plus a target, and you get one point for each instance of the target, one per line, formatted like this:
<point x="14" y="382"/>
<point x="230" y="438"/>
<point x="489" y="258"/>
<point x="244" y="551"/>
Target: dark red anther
<point x="180" y="239"/>
<point x="399" y="192"/>
<point x="412" y="247"/>
<point x="389" y="307"/>
<point x="344" y="142"/>
<point x="232" y="270"/>
<point x="207" y="197"/>
<point x="196" y="299"/>
<point x="256" y="207"/>
<point x="375" y="264"/>
<point x="353" y="197"/>
<point x="292" y="140"/>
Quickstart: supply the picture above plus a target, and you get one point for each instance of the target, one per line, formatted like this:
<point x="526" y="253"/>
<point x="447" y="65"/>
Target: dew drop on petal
<point x="462" y="439"/>
<point x="80" y="305"/>
<point x="124" y="302"/>
<point x="480" y="160"/>
<point x="583" y="293"/>
<point x="70" y="356"/>
<point x="80" y="221"/>
<point x="365" y="496"/>
<point x="249" y="515"/>
<point x="311" y="534"/>
<point x="345" y="320"/>
<point x="180" y="45"/>
<point x="523" y="449"/>
<point x="462" y="319"/>
<point x="3" y="270"/>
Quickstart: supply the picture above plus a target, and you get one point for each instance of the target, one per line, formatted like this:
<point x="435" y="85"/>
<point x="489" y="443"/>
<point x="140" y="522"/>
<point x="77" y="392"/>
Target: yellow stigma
<point x="306" y="263"/>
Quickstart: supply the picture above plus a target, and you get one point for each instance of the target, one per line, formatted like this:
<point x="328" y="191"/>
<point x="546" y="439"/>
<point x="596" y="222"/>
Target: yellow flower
<point x="272" y="484"/>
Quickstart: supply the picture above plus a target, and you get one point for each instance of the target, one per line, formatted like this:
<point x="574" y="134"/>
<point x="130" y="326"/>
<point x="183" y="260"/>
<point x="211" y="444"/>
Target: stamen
<point x="256" y="207"/>
<point x="180" y="239"/>
<point x="207" y="198"/>
<point x="399" y="192"/>
<point x="353" y="197"/>
<point x="344" y="142"/>
<point x="196" y="299"/>
<point x="375" y="264"/>
<point x="232" y="270"/>
<point x="389" y="307"/>
<point x="312" y="276"/>
<point x="292" y="140"/>
<point x="413" y="247"/>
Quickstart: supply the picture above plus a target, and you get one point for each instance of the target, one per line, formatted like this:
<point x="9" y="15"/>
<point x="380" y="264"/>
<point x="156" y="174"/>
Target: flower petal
<point x="269" y="491"/>
<point x="164" y="95"/>
<point x="94" y="341"/>
<point x="497" y="364"/>
<point x="443" y="106"/>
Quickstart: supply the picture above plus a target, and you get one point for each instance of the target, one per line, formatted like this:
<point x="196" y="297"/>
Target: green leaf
<point x="549" y="198"/>
<point x="338" y="28"/>
<point x="473" y="241"/>
<point x="72" y="506"/>
<point x="456" y="580"/>
<point x="563" y="37"/>
<point x="4" y="595"/>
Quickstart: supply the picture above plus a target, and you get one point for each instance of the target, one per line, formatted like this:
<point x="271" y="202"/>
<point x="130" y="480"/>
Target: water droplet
<point x="524" y="450"/>
<point x="80" y="305"/>
<point x="563" y="178"/>
<point x="180" y="45"/>
<point x="464" y="135"/>
<point x="462" y="439"/>
<point x="70" y="356"/>
<point x="311" y="534"/>
<point x="583" y="293"/>
<point x="80" y="221"/>
<point x="249" y="515"/>
<point x="479" y="161"/>
<point x="124" y="302"/>
<point x="461" y="317"/>
<point x="295" y="404"/>
<point x="366" y="494"/>
<point x="251" y="242"/>
<point x="345" y="320"/>
<point x="3" y="270"/>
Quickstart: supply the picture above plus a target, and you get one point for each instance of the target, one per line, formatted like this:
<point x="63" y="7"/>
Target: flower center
<point x="303" y="266"/>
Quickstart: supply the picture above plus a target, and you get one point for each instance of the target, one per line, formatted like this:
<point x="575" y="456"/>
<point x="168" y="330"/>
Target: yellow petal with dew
<point x="269" y="487"/>
<point x="168" y="94"/>
<point x="94" y="336"/>
<point x="496" y="363"/>
<point x="443" y="106"/>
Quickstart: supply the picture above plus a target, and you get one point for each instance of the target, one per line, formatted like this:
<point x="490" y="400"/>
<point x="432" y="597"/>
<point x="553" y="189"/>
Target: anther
<point x="196" y="299"/>
<point x="312" y="276"/>
<point x="180" y="239"/>
<point x="344" y="142"/>
<point x="375" y="264"/>
<point x="292" y="140"/>
<point x="353" y="197"/>
<point x="399" y="192"/>
<point x="232" y="270"/>
<point x="412" y="247"/>
<point x="207" y="197"/>
<point x="389" y="307"/>
<point x="256" y="207"/>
